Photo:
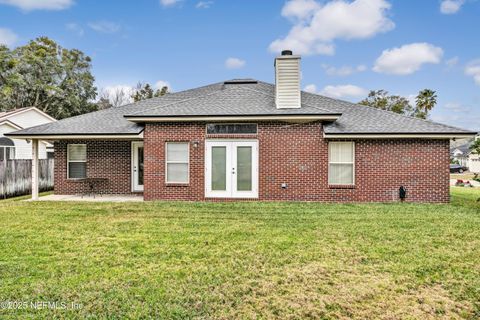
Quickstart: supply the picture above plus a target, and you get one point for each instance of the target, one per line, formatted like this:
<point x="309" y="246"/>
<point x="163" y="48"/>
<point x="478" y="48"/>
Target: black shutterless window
<point x="235" y="128"/>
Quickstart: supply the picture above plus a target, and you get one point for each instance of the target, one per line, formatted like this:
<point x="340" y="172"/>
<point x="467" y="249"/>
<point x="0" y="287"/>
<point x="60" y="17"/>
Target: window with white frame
<point x="7" y="149"/>
<point x="176" y="162"/>
<point x="7" y="153"/>
<point x="76" y="161"/>
<point x="341" y="163"/>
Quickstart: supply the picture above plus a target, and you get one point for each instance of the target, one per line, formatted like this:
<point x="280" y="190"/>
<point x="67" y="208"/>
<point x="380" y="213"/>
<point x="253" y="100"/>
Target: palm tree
<point x="426" y="101"/>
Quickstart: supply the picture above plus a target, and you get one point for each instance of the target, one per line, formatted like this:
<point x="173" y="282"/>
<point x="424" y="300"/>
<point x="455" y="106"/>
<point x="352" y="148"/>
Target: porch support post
<point x="35" y="169"/>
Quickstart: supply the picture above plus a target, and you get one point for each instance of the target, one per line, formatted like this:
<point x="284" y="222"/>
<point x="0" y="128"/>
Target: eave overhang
<point x="202" y="118"/>
<point x="83" y="136"/>
<point x="442" y="135"/>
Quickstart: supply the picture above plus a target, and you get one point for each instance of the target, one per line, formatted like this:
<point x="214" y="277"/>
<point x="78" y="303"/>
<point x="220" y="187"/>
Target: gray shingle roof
<point x="239" y="97"/>
<point x="464" y="148"/>
<point x="232" y="98"/>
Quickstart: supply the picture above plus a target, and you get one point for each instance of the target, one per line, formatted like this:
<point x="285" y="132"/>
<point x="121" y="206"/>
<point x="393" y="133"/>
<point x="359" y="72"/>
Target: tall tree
<point x="42" y="74"/>
<point x="116" y="96"/>
<point x="475" y="147"/>
<point x="103" y="103"/>
<point x="425" y="102"/>
<point x="381" y="99"/>
<point x="145" y="91"/>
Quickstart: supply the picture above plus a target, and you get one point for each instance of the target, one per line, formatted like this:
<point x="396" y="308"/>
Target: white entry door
<point x="231" y="169"/>
<point x="137" y="166"/>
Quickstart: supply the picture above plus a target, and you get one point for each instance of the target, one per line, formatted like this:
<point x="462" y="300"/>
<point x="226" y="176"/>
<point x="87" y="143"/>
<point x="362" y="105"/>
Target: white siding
<point x="23" y="149"/>
<point x="5" y="128"/>
<point x="287" y="82"/>
<point x="30" y="118"/>
<point x="474" y="163"/>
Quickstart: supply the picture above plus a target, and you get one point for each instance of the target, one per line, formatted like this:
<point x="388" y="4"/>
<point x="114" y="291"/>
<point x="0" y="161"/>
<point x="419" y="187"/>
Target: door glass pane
<point x="244" y="168"/>
<point x="219" y="168"/>
<point x="140" y="166"/>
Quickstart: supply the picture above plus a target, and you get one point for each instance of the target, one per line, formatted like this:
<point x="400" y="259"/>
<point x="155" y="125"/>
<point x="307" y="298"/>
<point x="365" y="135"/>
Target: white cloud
<point x="161" y="83"/>
<point x="458" y="114"/>
<point x="455" y="106"/>
<point x="75" y="28"/>
<point x="7" y="37"/>
<point x="452" y="62"/>
<point x="204" y="4"/>
<point x="234" y="63"/>
<point x="169" y="3"/>
<point x="317" y="25"/>
<point x="473" y="70"/>
<point x="407" y="59"/>
<point x="310" y="88"/>
<point x="344" y="91"/>
<point x="29" y="5"/>
<point x="451" y="6"/>
<point x="104" y="26"/>
<point x="300" y="9"/>
<point x="343" y="70"/>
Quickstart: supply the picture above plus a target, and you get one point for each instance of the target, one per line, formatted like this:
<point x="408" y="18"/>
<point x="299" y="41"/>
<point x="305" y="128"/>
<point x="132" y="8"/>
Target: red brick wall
<point x="155" y="136"/>
<point x="297" y="154"/>
<point x="105" y="159"/>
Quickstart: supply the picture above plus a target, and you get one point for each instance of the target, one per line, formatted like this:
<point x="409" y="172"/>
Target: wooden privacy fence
<point x="16" y="177"/>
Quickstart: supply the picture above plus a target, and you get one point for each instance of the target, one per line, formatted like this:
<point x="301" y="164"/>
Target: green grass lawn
<point x="242" y="260"/>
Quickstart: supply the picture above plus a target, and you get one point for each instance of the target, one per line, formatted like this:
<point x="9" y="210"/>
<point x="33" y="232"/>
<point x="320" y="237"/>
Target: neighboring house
<point x="464" y="156"/>
<point x="247" y="139"/>
<point x="18" y="119"/>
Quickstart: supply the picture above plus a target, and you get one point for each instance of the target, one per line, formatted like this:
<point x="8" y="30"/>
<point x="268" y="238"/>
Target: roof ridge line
<point x="273" y="96"/>
<point x="174" y="102"/>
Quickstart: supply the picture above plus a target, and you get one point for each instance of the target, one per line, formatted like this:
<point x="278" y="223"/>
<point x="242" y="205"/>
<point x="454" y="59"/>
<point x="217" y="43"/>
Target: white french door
<point x="231" y="169"/>
<point x="137" y="166"/>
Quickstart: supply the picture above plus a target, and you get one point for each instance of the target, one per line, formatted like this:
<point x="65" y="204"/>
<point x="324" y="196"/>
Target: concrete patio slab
<point x="97" y="198"/>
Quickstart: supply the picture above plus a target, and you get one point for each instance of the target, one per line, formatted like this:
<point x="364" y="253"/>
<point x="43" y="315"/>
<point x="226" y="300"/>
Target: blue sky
<point x="347" y="47"/>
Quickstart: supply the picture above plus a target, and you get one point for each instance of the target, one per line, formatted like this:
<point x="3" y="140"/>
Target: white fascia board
<point x="80" y="137"/>
<point x="28" y="109"/>
<point x="400" y="136"/>
<point x="234" y="118"/>
<point x="11" y="124"/>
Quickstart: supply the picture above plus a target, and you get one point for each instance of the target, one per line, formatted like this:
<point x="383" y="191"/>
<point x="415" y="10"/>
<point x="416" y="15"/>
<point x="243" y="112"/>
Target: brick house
<point x="247" y="139"/>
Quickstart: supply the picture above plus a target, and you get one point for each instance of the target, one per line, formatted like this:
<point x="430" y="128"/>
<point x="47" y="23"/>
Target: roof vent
<point x="241" y="81"/>
<point x="287" y="81"/>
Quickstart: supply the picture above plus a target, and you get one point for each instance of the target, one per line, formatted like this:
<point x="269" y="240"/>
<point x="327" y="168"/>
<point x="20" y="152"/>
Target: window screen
<point x="77" y="161"/>
<point x="177" y="157"/>
<point x="341" y="158"/>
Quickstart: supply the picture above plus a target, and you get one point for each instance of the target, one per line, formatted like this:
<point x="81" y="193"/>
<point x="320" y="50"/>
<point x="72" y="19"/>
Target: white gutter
<point x="399" y="136"/>
<point x="234" y="118"/>
<point x="80" y="137"/>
